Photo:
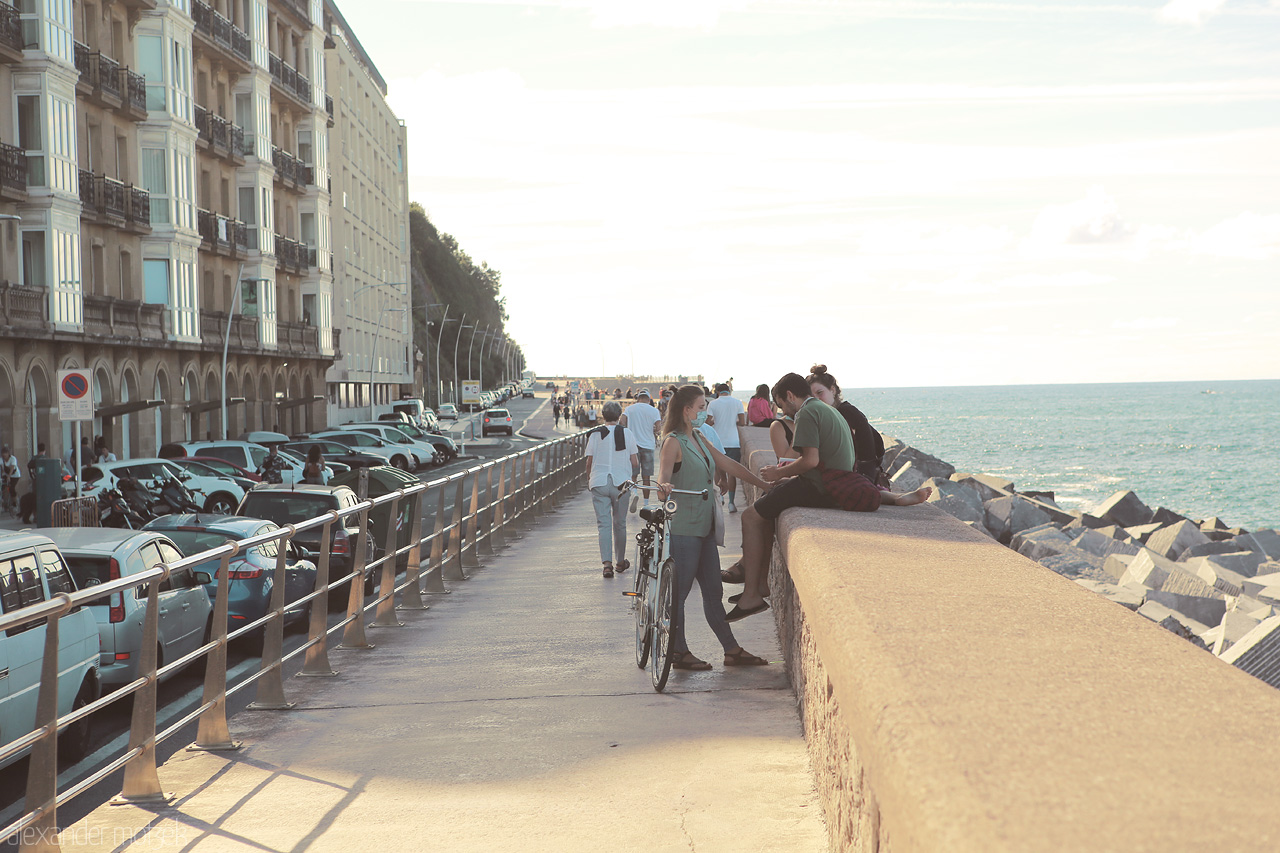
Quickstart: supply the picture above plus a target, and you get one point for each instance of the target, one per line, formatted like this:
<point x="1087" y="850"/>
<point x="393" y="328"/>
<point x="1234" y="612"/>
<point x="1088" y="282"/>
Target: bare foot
<point x="919" y="496"/>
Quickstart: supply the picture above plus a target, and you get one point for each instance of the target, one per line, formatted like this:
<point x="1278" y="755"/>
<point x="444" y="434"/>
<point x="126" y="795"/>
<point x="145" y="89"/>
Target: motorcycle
<point x="114" y="511"/>
<point x="175" y="497"/>
<point x="141" y="500"/>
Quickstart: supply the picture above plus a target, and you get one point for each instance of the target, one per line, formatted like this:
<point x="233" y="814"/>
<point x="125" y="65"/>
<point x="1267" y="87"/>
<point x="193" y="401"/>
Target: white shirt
<point x="712" y="436"/>
<point x="606" y="461"/>
<point x="640" y="420"/>
<point x="726" y="410"/>
<point x="11" y="467"/>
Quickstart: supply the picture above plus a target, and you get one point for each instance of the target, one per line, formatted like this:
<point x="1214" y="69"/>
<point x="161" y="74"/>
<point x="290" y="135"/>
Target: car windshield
<point x="499" y="413"/>
<point x="194" y="541"/>
<point x="358" y="439"/>
<point x="411" y="431"/>
<point x="286" y="507"/>
<point x="219" y="466"/>
<point x="198" y="468"/>
<point x="88" y="570"/>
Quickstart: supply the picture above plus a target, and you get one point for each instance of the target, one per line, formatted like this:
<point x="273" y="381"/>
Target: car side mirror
<point x="202" y="578"/>
<point x="184" y="477"/>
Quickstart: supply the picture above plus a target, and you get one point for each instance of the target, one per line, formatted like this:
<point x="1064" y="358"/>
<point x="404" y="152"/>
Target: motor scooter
<point x="175" y="497"/>
<point x="140" y="499"/>
<point x="114" y="511"/>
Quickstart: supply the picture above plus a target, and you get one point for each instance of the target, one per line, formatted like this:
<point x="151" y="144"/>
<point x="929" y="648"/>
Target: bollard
<point x="485" y="543"/>
<point x="411" y="598"/>
<point x="499" y="508"/>
<point x="471" y="553"/>
<point x="453" y="566"/>
<point x="141" y="781"/>
<point x="353" y="636"/>
<point x="42" y="772"/>
<point x="270" y="695"/>
<point x="213" y="734"/>
<point x="386" y="613"/>
<point x="316" y="664"/>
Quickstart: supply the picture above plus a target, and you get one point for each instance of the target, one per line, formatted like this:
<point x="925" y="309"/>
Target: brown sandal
<point x="743" y="658"/>
<point x="734" y="574"/>
<point x="622" y="565"/>
<point x="688" y="661"/>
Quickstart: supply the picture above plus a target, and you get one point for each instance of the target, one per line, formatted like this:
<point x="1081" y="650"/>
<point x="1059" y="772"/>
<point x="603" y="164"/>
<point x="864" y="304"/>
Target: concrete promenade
<point x="510" y="716"/>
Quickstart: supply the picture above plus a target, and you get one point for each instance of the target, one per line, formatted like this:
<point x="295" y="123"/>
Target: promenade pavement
<point x="510" y="716"/>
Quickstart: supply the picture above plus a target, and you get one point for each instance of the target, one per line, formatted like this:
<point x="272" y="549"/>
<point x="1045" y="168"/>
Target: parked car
<point x="424" y="450"/>
<point x="251" y="572"/>
<point x="215" y="494"/>
<point x="442" y="445"/>
<point x="245" y="454"/>
<point x="31" y="571"/>
<point x="292" y="504"/>
<point x="448" y="412"/>
<point x="203" y="469"/>
<point x="222" y="466"/>
<point x="97" y="555"/>
<point x="395" y="455"/>
<point x="331" y="469"/>
<point x="336" y="451"/>
<point x="497" y="420"/>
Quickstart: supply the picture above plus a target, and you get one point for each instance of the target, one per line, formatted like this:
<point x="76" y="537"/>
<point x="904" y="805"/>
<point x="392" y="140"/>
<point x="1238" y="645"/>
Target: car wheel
<point x="400" y="462"/>
<point x="511" y="431"/>
<point x="221" y="503"/>
<point x="73" y="741"/>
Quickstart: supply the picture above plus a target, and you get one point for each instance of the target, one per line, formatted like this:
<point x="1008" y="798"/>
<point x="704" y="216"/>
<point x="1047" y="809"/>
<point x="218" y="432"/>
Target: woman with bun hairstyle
<point x="688" y="461"/>
<point x="868" y="445"/>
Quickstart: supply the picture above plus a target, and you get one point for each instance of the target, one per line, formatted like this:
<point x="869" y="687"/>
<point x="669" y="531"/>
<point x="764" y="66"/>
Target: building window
<point x="155" y="279"/>
<point x="31" y="138"/>
<point x="183" y="191"/>
<point x="181" y="90"/>
<point x="151" y="66"/>
<point x="185" y="301"/>
<point x="155" y="179"/>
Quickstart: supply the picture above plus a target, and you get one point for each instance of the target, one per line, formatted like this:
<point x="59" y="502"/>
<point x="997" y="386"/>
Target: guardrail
<point x="506" y="495"/>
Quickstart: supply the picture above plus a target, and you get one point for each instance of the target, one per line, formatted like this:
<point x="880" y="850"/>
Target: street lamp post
<point x="373" y="354"/>
<point x="426" y="379"/>
<point x="471" y="344"/>
<point x="456" y="341"/>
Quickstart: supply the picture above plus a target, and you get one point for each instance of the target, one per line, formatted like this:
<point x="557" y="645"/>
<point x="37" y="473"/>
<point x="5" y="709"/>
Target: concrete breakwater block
<point x="1258" y="652"/>
<point x="1128" y="597"/>
<point x="1200" y="608"/>
<point x="1268" y="542"/>
<point x="955" y="499"/>
<point x="930" y="466"/>
<point x="1075" y="564"/>
<point x="1226" y="546"/>
<point x="1171" y="541"/>
<point x="1178" y="623"/>
<point x="1164" y="517"/>
<point x="1100" y="544"/>
<point x="1142" y="532"/>
<point x="908" y="478"/>
<point x="1124" y="508"/>
<point x="1116" y="565"/>
<point x="1007" y="516"/>
<point x="1038" y="542"/>
<point x="1088" y="521"/>
<point x="1185" y="583"/>
<point x="981" y="485"/>
<point x="1233" y="627"/>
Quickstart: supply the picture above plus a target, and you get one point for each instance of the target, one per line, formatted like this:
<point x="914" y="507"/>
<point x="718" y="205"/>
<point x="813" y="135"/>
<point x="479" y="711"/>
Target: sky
<point x="915" y="193"/>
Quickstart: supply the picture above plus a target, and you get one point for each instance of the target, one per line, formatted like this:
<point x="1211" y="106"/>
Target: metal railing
<point x="13" y="168"/>
<point x="10" y="28"/>
<point x="220" y="31"/>
<point x="505" y="496"/>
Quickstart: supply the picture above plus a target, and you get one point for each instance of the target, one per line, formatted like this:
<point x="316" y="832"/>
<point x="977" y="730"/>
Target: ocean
<point x="1199" y="448"/>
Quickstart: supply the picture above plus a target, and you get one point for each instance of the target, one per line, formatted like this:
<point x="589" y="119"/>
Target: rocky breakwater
<point x="1215" y="585"/>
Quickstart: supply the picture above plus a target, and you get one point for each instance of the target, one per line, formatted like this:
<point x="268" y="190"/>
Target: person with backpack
<point x="313" y="471"/>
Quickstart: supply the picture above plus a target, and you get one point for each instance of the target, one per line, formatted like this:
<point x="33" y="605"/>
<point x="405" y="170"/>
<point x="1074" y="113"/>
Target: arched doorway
<point x="161" y="417"/>
<point x="8" y="435"/>
<point x="266" y="406"/>
<point x="128" y="447"/>
<point x="309" y="423"/>
<point x="213" y="418"/>
<point x="190" y="396"/>
<point x="249" y="390"/>
<point x="235" y="413"/>
<point x="280" y="393"/>
<point x="102" y="396"/>
<point x="36" y="404"/>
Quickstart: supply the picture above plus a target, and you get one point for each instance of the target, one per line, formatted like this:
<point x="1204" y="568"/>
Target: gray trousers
<point x="611" y="521"/>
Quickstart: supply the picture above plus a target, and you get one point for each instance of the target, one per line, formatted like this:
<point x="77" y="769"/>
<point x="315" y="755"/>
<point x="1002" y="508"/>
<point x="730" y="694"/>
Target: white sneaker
<point x="733" y="508"/>
<point x="635" y="503"/>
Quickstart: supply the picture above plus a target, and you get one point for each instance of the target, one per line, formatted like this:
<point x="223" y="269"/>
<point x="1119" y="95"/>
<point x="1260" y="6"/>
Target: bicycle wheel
<point x="664" y="612"/>
<point x="641" y="604"/>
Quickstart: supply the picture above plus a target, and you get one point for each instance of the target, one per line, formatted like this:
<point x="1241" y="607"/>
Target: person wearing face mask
<point x="689" y="461"/>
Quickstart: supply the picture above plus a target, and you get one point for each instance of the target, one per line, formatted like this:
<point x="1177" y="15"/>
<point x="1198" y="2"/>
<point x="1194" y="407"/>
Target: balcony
<point x="23" y="307"/>
<point x="301" y="339"/>
<point x="297" y="338"/>
<point x="11" y="41"/>
<point x="222" y="35"/>
<point x="299" y="8"/>
<point x="290" y="254"/>
<point x="222" y="235"/>
<point x="328" y="107"/>
<point x="123" y="320"/>
<point x="135" y="94"/>
<point x="287" y="78"/>
<point x="108" y="84"/>
<point x="112" y="202"/>
<point x="219" y="135"/>
<point x="337" y="343"/>
<point x="13" y="173"/>
<point x="290" y="170"/>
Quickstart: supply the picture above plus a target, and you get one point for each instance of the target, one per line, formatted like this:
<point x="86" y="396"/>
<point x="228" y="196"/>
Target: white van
<point x="31" y="571"/>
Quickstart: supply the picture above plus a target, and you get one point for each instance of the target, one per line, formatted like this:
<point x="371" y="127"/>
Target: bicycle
<point x="8" y="495"/>
<point x="655" y="613"/>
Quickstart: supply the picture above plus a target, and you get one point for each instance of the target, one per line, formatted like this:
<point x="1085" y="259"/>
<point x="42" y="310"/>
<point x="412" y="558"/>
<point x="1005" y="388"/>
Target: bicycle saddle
<point x="652" y="515"/>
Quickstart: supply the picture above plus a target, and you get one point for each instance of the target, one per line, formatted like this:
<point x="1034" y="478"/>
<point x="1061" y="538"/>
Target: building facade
<point x="371" y="225"/>
<point x="165" y="197"/>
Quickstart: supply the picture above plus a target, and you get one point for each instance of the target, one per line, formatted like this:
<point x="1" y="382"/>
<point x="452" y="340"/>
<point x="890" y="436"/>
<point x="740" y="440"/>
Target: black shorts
<point x="797" y="491"/>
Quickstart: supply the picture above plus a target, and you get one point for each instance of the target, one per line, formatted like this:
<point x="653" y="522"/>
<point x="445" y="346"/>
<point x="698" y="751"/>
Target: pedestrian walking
<point x="726" y="415"/>
<point x="555" y="411"/>
<point x="642" y="419"/>
<point x="611" y="461"/>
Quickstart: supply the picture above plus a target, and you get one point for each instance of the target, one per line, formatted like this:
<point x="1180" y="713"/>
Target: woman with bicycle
<point x="10" y="473"/>
<point x="688" y="461"/>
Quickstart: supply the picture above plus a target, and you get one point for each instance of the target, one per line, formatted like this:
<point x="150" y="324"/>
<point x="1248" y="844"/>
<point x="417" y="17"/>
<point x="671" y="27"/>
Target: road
<point x="181" y="694"/>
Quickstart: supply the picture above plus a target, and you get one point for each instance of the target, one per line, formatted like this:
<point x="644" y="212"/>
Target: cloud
<point x="1190" y="11"/>
<point x="969" y="284"/>
<point x="1093" y="219"/>
<point x="1249" y="236"/>
<point x="1144" y="324"/>
<point x="696" y="14"/>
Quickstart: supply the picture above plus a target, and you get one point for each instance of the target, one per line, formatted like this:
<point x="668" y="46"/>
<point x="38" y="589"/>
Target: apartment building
<point x="165" y="196"/>
<point x="371" y="226"/>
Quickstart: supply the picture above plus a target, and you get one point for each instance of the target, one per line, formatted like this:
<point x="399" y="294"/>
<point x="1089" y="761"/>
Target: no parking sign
<point x="75" y="402"/>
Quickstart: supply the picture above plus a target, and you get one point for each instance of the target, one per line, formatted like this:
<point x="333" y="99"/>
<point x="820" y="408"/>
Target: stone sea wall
<point x="1215" y="585"/>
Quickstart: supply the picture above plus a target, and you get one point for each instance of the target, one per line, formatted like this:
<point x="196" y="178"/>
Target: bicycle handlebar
<point x="628" y="485"/>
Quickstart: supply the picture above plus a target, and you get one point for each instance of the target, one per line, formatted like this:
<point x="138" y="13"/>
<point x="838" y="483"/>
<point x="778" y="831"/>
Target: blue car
<point x="252" y="572"/>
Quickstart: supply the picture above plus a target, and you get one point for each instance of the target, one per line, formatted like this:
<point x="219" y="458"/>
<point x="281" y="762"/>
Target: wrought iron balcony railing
<point x="289" y="78"/>
<point x="10" y="28"/>
<point x="13" y="168"/>
<point x="220" y="31"/>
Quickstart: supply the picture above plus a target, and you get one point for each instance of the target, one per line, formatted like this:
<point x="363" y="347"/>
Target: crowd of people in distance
<point x="829" y="456"/>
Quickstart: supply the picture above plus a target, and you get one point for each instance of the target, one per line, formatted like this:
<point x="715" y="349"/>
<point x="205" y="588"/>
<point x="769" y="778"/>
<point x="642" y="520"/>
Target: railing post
<point x="485" y="543"/>
<point x="316" y="664"/>
<point x="353" y="636"/>
<point x="270" y="696"/>
<point x="435" y="568"/>
<point x="213" y="734"/>
<point x="454" y="563"/>
<point x="499" y="507"/>
<point x="411" y="599"/>
<point x="517" y="496"/>
<point x="141" y="781"/>
<point x="42" y="772"/>
<point x="539" y="481"/>
<point x="471" y="553"/>
<point x="386" y="613"/>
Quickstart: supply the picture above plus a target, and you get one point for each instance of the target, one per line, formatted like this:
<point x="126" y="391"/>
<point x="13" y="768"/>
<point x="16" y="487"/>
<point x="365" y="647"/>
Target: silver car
<point x="98" y="554"/>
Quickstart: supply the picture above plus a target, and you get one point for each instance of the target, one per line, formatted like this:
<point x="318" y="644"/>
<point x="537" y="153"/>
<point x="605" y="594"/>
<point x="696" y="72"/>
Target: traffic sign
<point x="75" y="400"/>
<point x="470" y="392"/>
